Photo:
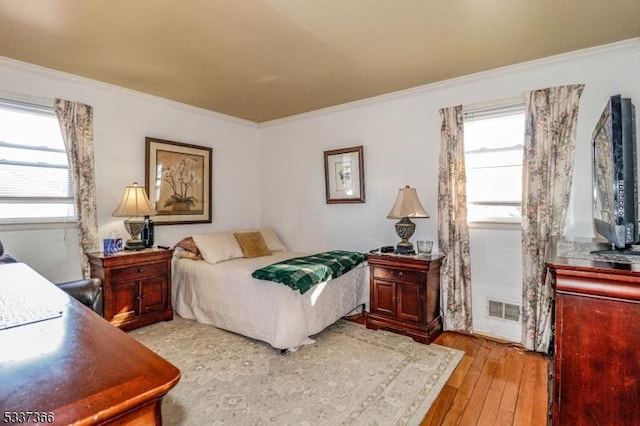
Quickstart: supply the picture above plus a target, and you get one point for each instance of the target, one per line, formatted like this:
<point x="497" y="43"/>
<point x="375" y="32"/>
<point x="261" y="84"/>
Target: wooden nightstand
<point x="136" y="286"/>
<point x="405" y="295"/>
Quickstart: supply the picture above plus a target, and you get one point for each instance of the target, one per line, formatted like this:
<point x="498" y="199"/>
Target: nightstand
<point x="405" y="295"/>
<point x="136" y="286"/>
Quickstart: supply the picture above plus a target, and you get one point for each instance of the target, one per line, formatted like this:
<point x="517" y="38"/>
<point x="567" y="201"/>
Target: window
<point x="494" y="140"/>
<point x="35" y="182"/>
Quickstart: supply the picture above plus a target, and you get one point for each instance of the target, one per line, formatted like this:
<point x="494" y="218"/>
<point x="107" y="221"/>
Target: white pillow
<point x="218" y="246"/>
<point x="272" y="240"/>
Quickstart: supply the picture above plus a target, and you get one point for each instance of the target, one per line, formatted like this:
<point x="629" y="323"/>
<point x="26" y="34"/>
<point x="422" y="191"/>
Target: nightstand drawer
<point x="397" y="274"/>
<point x="138" y="272"/>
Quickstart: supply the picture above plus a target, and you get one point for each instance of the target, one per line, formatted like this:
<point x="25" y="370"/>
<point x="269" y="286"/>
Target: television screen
<point x="615" y="208"/>
<point x="603" y="170"/>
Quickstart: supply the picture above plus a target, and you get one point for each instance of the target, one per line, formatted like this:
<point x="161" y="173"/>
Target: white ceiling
<point x="265" y="59"/>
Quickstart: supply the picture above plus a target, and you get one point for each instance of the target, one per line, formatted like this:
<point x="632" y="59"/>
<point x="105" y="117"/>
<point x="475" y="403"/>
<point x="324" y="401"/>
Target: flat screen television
<point x="615" y="177"/>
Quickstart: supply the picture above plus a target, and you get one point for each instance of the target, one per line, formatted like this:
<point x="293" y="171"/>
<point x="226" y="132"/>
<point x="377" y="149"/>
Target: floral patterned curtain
<point x="76" y="124"/>
<point x="453" y="231"/>
<point x="551" y="117"/>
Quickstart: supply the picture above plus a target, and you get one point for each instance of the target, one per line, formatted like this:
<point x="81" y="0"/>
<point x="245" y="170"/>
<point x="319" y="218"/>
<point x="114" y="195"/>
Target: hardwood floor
<point x="494" y="384"/>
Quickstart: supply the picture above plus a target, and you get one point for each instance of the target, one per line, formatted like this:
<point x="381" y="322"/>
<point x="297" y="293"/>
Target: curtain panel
<point x="549" y="146"/>
<point x="76" y="124"/>
<point x="453" y="230"/>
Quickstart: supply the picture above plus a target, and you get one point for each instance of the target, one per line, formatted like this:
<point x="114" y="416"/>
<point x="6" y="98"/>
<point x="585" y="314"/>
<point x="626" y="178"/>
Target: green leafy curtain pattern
<point x="453" y="230"/>
<point x="76" y="124"/>
<point x="549" y="146"/>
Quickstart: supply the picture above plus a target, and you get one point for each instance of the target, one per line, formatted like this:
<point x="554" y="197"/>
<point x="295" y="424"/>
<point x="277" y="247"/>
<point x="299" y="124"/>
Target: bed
<point x="223" y="293"/>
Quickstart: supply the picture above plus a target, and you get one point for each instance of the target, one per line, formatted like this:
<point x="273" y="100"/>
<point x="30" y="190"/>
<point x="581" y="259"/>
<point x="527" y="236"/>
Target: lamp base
<point x="134" y="245"/>
<point x="133" y="226"/>
<point x="405" y="248"/>
<point x="405" y="229"/>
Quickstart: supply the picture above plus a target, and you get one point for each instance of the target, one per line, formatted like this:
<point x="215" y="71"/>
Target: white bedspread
<point x="226" y="296"/>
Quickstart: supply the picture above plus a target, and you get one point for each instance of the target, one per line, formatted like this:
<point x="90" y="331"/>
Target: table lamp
<point x="134" y="204"/>
<point x="407" y="206"/>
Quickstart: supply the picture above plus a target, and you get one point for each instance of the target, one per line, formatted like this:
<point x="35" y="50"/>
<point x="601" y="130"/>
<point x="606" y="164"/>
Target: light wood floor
<point x="494" y="384"/>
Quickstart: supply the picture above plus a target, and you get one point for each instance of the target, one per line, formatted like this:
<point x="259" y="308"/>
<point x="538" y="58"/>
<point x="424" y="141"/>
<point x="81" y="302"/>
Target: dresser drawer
<point x="138" y="272"/>
<point x="397" y="274"/>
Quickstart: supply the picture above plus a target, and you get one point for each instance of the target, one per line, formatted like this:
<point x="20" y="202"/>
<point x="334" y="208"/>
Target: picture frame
<point x="178" y="181"/>
<point x="344" y="175"/>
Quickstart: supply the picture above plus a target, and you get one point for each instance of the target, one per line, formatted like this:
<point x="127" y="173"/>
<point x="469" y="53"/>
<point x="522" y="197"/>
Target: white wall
<point x="122" y="120"/>
<point x="401" y="136"/>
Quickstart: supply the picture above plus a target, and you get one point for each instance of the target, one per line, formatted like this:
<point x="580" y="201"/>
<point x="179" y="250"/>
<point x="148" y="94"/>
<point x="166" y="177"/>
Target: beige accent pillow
<point x="270" y="238"/>
<point x="217" y="247"/>
<point x="252" y="244"/>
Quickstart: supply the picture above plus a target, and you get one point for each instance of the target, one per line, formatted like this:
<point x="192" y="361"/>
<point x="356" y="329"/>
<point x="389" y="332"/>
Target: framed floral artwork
<point x="178" y="181"/>
<point x="344" y="175"/>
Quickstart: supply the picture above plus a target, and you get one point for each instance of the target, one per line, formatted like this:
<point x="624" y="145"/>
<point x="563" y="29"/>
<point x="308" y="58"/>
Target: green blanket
<point x="302" y="273"/>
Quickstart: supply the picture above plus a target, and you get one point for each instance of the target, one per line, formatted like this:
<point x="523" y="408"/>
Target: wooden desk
<point x="79" y="368"/>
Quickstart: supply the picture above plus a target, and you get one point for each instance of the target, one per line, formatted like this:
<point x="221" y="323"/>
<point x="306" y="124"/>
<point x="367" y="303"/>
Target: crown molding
<point x="72" y="78"/>
<point x="625" y="46"/>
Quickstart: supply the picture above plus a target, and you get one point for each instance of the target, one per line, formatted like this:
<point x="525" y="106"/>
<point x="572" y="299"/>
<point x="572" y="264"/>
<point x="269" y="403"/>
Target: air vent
<point x="504" y="310"/>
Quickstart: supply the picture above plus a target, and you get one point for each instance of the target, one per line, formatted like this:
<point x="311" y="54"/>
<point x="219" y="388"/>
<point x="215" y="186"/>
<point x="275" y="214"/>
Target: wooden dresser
<point x="596" y="368"/>
<point x="136" y="286"/>
<point x="405" y="295"/>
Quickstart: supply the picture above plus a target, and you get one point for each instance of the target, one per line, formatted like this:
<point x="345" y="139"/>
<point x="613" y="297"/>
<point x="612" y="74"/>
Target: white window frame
<point x="42" y="107"/>
<point x="487" y="111"/>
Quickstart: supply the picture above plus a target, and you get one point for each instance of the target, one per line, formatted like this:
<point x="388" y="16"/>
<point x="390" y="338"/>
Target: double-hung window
<point x="494" y="141"/>
<point x="35" y="182"/>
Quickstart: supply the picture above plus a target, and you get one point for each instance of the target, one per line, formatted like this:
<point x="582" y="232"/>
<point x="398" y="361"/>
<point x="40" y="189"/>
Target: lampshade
<point x="407" y="205"/>
<point x="135" y="205"/>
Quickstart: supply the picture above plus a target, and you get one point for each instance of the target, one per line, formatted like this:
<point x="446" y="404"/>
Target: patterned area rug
<point x="350" y="376"/>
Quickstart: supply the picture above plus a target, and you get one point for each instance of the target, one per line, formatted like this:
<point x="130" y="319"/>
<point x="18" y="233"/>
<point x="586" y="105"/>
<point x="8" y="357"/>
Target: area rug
<point x="350" y="376"/>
